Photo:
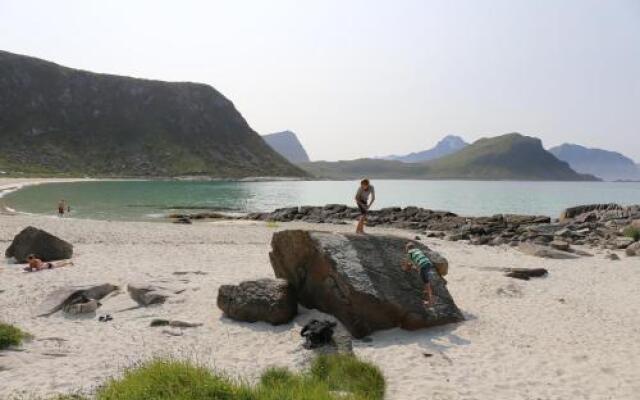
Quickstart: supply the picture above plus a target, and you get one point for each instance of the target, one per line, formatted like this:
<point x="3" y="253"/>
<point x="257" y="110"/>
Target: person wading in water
<point x="365" y="191"/>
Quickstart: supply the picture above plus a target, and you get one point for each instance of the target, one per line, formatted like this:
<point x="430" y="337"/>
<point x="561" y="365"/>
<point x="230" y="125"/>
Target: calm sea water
<point x="135" y="200"/>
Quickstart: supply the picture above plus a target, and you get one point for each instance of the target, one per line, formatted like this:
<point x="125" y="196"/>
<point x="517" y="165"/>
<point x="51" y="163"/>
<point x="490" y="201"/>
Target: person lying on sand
<point x="417" y="260"/>
<point x="36" y="264"/>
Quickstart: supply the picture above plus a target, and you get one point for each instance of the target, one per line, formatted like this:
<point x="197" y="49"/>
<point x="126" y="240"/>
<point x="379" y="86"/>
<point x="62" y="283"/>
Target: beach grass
<point x="632" y="232"/>
<point x="329" y="377"/>
<point x="10" y="336"/>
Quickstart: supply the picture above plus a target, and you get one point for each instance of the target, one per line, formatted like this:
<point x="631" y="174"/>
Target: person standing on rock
<point x="365" y="191"/>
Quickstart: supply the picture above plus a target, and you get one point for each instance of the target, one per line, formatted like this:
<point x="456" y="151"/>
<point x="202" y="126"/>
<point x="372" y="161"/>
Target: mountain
<point x="447" y="145"/>
<point x="608" y="165"/>
<point x="58" y="120"/>
<point x="507" y="157"/>
<point x="287" y="144"/>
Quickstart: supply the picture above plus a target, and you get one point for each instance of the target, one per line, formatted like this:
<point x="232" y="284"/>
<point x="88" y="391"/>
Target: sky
<point x="369" y="78"/>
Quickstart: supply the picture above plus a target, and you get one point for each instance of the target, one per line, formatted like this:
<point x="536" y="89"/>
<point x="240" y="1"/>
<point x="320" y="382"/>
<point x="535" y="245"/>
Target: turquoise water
<point x="135" y="200"/>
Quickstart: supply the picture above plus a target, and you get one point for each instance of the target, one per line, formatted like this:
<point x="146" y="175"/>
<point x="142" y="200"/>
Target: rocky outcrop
<point x="43" y="245"/>
<point x="268" y="300"/>
<point x="75" y="300"/>
<point x="598" y="225"/>
<point x="359" y="280"/>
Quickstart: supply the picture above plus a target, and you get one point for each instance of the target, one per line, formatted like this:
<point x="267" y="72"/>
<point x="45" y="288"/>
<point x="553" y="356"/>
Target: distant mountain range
<point x="507" y="157"/>
<point x="287" y="144"/>
<point x="58" y="120"/>
<point x="447" y="145"/>
<point x="608" y="165"/>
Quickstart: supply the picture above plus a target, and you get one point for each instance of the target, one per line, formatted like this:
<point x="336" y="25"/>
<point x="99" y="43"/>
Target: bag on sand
<point x="317" y="333"/>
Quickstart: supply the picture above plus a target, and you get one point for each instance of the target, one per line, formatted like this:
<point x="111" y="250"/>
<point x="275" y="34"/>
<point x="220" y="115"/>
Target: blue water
<point x="136" y="200"/>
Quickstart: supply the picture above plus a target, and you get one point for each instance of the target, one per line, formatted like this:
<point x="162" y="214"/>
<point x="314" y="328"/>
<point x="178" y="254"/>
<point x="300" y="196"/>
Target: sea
<point x="154" y="199"/>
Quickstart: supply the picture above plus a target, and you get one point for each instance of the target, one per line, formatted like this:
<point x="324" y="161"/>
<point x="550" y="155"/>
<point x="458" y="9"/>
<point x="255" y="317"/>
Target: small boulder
<point x="623" y="242"/>
<point x="44" y="245"/>
<point x="544" y="252"/>
<point x="559" y="245"/>
<point x="633" y="249"/>
<point x="268" y="300"/>
<point x="526" y="273"/>
<point x="146" y="294"/>
<point x="612" y="257"/>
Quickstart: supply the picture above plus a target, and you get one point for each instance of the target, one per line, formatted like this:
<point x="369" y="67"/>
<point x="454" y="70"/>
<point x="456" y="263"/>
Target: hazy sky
<point x="362" y="78"/>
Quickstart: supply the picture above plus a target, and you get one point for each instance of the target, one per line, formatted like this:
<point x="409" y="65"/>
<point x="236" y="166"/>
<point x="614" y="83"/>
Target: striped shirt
<point x="419" y="259"/>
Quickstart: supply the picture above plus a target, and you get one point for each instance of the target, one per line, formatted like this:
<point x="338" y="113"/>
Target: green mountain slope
<point x="507" y="157"/>
<point x="58" y="120"/>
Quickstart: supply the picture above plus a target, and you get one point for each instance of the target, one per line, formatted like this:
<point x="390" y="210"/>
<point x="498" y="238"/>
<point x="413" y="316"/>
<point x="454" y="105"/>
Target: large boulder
<point x="268" y="300"/>
<point x="359" y="280"/>
<point x="43" y="244"/>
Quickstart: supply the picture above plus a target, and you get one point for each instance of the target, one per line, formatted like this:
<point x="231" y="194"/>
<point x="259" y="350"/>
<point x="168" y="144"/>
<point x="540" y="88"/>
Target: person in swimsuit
<point x="36" y="264"/>
<point x="61" y="208"/>
<point x="417" y="260"/>
<point x="365" y="191"/>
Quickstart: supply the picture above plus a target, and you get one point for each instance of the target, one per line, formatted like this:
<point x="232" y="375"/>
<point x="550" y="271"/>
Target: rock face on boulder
<point x="268" y="300"/>
<point x="43" y="244"/>
<point x="359" y="280"/>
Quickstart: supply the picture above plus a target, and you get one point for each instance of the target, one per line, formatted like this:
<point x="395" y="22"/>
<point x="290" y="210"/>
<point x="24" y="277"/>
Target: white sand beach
<point x="571" y="335"/>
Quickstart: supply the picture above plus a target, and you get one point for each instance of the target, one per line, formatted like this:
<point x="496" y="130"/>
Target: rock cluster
<point x="358" y="279"/>
<point x="596" y="225"/>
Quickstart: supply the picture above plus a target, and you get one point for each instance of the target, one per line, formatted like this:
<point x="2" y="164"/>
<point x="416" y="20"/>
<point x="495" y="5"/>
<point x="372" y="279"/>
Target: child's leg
<point x="360" y="227"/>
<point x="428" y="294"/>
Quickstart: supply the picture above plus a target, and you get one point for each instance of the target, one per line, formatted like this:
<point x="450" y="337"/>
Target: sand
<point x="571" y="335"/>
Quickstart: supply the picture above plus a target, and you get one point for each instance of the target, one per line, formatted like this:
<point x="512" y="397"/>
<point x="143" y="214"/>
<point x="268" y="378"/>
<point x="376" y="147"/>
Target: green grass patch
<point x="10" y="336"/>
<point x="330" y="377"/>
<point x="632" y="232"/>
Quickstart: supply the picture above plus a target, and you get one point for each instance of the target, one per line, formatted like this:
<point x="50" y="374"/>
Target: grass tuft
<point x="10" y="336"/>
<point x="330" y="377"/>
<point x="165" y="379"/>
<point x="632" y="232"/>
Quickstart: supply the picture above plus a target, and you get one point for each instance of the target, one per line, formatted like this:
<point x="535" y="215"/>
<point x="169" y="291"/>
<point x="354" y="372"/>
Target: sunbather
<point x="36" y="264"/>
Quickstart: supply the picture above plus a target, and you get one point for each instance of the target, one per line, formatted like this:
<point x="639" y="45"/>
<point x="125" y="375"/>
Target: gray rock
<point x="623" y="242"/>
<point x="633" y="249"/>
<point x="526" y="273"/>
<point x="173" y="323"/>
<point x="559" y="245"/>
<point x="147" y="294"/>
<point x="544" y="252"/>
<point x="70" y="299"/>
<point x="44" y="245"/>
<point x="612" y="257"/>
<point x="268" y="300"/>
<point x="359" y="280"/>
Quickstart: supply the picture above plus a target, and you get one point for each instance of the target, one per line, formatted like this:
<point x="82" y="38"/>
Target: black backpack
<point x="317" y="333"/>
